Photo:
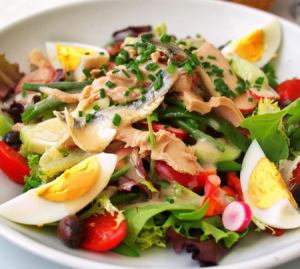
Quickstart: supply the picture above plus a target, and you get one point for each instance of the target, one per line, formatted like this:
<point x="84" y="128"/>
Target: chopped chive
<point x="169" y="200"/>
<point x="199" y="86"/>
<point x="167" y="126"/>
<point x="154" y="67"/>
<point x="259" y="80"/>
<point x="116" y="103"/>
<point x="166" y="39"/>
<point x="129" y="45"/>
<point x="126" y="93"/>
<point x="125" y="53"/>
<point x="79" y="113"/>
<point x="92" y="116"/>
<point x="102" y="93"/>
<point x="201" y="58"/>
<point x="139" y="76"/>
<point x="158" y="72"/>
<point x="171" y="69"/>
<point x="127" y="102"/>
<point x="156" y="85"/>
<point x="125" y="73"/>
<point x="188" y="68"/>
<point x="174" y="63"/>
<point x="181" y="43"/>
<point x="212" y="57"/>
<point x="143" y="60"/>
<point x="105" y="67"/>
<point x="250" y="99"/>
<point x="116" y="120"/>
<point x="152" y="47"/>
<point x="115" y="71"/>
<point x="131" y="88"/>
<point x="87" y="53"/>
<point x="206" y="64"/>
<point x="239" y="90"/>
<point x="230" y="62"/>
<point x="151" y="77"/>
<point x="87" y="118"/>
<point x="146" y="36"/>
<point x="142" y="90"/>
<point x="68" y="73"/>
<point x="148" y="66"/>
<point x="23" y="93"/>
<point x="101" y="53"/>
<point x="230" y="72"/>
<point x="247" y="82"/>
<point x="96" y="107"/>
<point x="110" y="84"/>
<point x="123" y="104"/>
<point x="198" y="35"/>
<point x="143" y="98"/>
<point x="67" y="80"/>
<point x="87" y="73"/>
<point x="160" y="79"/>
<point x="119" y="60"/>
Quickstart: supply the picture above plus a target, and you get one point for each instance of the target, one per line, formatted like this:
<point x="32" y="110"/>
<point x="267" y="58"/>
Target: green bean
<point x="37" y="109"/>
<point x="172" y="101"/>
<point x="215" y="122"/>
<point x="120" y="172"/>
<point x="230" y="166"/>
<point x="63" y="86"/>
<point x="197" y="134"/>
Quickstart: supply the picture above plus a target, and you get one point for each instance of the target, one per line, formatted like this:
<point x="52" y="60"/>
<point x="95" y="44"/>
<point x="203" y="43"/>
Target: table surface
<point x="12" y="256"/>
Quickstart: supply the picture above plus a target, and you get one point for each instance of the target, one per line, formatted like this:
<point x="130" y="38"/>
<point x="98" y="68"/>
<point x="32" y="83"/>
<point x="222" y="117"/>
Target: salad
<point x="153" y="140"/>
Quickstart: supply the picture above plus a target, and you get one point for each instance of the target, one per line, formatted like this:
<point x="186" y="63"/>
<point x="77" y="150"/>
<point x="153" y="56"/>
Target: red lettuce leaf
<point x="207" y="252"/>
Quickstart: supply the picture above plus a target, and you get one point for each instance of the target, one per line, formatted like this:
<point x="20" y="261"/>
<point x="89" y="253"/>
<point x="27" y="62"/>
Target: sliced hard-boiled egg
<point x="257" y="46"/>
<point x="67" y="194"/>
<point x="74" y="57"/>
<point x="265" y="191"/>
<point x="287" y="171"/>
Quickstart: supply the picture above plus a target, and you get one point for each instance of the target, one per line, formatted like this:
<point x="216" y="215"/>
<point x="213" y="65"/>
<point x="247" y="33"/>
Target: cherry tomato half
<point x="289" y="89"/>
<point x="13" y="164"/>
<point x="102" y="232"/>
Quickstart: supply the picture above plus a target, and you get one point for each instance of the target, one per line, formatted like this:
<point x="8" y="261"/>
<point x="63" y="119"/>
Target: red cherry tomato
<point x="111" y="65"/>
<point x="122" y="155"/>
<point x="40" y="75"/>
<point x="102" y="232"/>
<point x="195" y="81"/>
<point x="179" y="132"/>
<point x="113" y="50"/>
<point x="289" y="89"/>
<point x="13" y="164"/>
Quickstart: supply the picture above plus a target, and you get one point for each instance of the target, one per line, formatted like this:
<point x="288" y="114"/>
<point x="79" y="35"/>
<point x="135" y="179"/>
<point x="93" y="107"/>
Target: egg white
<point x="281" y="214"/>
<point x="272" y="34"/>
<point x="87" y="61"/>
<point x="31" y="209"/>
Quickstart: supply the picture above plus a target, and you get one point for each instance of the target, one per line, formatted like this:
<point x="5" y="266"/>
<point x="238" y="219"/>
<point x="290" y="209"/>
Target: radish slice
<point x="261" y="94"/>
<point x="237" y="216"/>
<point x="244" y="105"/>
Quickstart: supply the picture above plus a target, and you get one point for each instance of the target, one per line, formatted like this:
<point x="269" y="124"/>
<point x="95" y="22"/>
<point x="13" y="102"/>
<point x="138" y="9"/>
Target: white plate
<point x="93" y="22"/>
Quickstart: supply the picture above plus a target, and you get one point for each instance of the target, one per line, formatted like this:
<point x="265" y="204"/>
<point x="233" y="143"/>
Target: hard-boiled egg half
<point x="265" y="191"/>
<point x="74" y="57"/>
<point x="67" y="194"/>
<point x="257" y="46"/>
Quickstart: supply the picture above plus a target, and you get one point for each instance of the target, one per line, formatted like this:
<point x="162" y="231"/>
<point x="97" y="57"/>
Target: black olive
<point x="71" y="231"/>
<point x="12" y="139"/>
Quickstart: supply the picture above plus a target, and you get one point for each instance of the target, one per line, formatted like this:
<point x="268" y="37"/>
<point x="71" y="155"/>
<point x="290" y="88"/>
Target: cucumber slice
<point x="62" y="164"/>
<point x="39" y="137"/>
<point x="247" y="71"/>
<point x="6" y="125"/>
<point x="206" y="155"/>
<point x="102" y="103"/>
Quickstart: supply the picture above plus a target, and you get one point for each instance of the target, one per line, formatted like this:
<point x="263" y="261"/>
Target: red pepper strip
<point x="234" y="182"/>
<point x="275" y="231"/>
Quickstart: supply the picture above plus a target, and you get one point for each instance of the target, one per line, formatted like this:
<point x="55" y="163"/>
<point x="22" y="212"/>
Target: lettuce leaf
<point x="267" y="129"/>
<point x="9" y="76"/>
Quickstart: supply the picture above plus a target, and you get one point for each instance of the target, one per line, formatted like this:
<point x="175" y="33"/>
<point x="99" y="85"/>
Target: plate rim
<point x="272" y="259"/>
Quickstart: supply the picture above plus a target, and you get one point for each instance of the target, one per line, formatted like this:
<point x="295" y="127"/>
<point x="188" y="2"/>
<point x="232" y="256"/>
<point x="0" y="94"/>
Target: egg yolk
<point x="266" y="186"/>
<point x="73" y="183"/>
<point x="251" y="47"/>
<point x="71" y="57"/>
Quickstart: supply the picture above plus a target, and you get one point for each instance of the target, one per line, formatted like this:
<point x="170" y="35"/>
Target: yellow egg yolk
<point x="251" y="47"/>
<point x="73" y="183"/>
<point x="71" y="57"/>
<point x="266" y="186"/>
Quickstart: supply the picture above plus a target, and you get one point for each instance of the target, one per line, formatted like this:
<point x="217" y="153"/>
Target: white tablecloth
<point x="11" y="256"/>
